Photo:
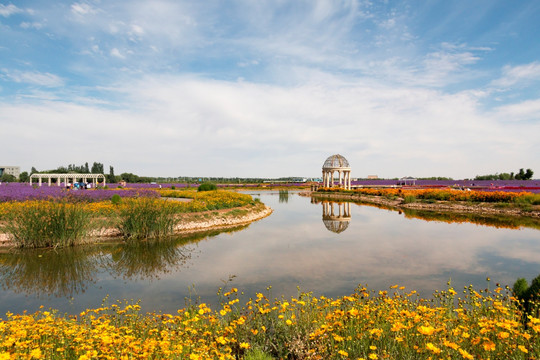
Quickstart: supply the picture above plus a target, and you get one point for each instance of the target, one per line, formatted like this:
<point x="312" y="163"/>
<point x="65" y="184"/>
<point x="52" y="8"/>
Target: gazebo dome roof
<point x="335" y="162"/>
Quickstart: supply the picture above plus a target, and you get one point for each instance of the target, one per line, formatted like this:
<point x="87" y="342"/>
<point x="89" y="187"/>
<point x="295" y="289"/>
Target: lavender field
<point x="23" y="191"/>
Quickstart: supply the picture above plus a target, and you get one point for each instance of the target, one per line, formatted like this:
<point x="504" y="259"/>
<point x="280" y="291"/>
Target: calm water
<point x="319" y="247"/>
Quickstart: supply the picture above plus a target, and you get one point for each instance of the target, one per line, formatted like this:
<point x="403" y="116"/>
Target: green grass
<point x="48" y="224"/>
<point x="146" y="217"/>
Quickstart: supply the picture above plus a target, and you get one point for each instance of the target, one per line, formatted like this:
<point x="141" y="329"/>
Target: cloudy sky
<point x="271" y="88"/>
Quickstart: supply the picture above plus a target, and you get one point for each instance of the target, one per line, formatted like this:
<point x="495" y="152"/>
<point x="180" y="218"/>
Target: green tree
<point x="529" y="174"/>
<point x="129" y="177"/>
<point x="111" y="178"/>
<point x="97" y="168"/>
<point x="520" y="175"/>
<point x="24" y="177"/>
<point x="7" y="178"/>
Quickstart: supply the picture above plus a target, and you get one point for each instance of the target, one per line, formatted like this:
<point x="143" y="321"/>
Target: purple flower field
<point x="23" y="191"/>
<point x="532" y="186"/>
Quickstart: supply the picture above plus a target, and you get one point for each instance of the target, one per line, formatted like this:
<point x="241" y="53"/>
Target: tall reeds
<point x="146" y="217"/>
<point x="47" y="224"/>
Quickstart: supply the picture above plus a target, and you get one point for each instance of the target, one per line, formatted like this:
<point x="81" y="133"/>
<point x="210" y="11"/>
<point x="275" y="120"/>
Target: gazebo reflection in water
<point x="336" y="216"/>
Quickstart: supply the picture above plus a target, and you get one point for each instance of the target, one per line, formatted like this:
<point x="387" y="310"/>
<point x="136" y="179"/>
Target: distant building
<point x="10" y="170"/>
<point x="372" y="177"/>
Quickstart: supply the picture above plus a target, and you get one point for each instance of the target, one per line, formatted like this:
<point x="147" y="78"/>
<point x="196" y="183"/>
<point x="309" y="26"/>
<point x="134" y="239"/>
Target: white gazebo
<point x="337" y="164"/>
<point x="408" y="179"/>
<point x="68" y="178"/>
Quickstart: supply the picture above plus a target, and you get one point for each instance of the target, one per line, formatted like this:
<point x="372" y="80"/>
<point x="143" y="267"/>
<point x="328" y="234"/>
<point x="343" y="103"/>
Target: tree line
<point x="96" y="168"/>
<point x="521" y="175"/>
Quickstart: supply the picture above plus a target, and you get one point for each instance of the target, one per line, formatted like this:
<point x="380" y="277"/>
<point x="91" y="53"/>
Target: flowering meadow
<point x="447" y="195"/>
<point x="62" y="217"/>
<point x="394" y="324"/>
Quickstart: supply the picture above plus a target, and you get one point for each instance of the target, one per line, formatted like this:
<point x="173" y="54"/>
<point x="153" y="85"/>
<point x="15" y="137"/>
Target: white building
<point x="10" y="170"/>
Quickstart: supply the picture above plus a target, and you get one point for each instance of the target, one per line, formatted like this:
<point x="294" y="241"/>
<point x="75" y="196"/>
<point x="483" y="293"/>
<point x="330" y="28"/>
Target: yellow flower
<point x="373" y="356"/>
<point x="343" y="353"/>
<point x="288" y="322"/>
<point x="36" y="353"/>
<point x="465" y="354"/>
<point x="489" y="346"/>
<point x="244" y="345"/>
<point x="426" y="330"/>
<point x="433" y="348"/>
<point x="523" y="349"/>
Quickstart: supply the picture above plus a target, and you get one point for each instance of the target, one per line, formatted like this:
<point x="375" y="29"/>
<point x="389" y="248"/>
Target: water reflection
<point x="69" y="271"/>
<point x="497" y="221"/>
<point x="151" y="258"/>
<point x="283" y="196"/>
<point x="336" y="216"/>
<point x="50" y="272"/>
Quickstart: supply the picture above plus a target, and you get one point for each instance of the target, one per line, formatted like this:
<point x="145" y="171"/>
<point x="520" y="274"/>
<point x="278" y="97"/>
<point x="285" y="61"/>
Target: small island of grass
<point x="70" y="218"/>
<point x="524" y="204"/>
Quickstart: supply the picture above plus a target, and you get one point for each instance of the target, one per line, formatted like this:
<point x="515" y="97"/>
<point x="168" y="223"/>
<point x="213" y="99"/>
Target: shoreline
<point x="442" y="206"/>
<point x="190" y="223"/>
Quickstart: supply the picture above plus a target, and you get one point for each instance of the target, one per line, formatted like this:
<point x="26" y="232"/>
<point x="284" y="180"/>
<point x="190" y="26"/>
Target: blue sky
<point x="271" y="88"/>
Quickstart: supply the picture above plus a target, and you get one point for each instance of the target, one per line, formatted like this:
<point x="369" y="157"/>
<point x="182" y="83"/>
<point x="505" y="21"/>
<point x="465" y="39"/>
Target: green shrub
<point x="173" y="187"/>
<point x="48" y="224"/>
<point x="256" y="354"/>
<point x="528" y="199"/>
<point x="409" y="199"/>
<point x="207" y="187"/>
<point x="116" y="199"/>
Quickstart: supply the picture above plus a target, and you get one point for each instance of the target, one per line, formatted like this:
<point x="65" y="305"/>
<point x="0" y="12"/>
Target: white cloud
<point x="193" y="126"/>
<point x="522" y="111"/>
<point x="518" y="74"/>
<point x="82" y="9"/>
<point x="34" y="78"/>
<point x="8" y="10"/>
<point x="117" y="54"/>
<point x="31" y="25"/>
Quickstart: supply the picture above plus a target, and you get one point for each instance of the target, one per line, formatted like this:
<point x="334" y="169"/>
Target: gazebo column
<point x="39" y="181"/>
<point x="49" y="181"/>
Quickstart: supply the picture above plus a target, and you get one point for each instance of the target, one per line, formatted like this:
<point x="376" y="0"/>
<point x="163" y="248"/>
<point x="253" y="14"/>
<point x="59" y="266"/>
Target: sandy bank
<point x="192" y="222"/>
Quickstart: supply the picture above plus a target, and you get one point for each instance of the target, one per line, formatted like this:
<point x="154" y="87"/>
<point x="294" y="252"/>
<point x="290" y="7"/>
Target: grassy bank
<point x="413" y="195"/>
<point x="52" y="223"/>
<point x="364" y="325"/>
<point x="47" y="224"/>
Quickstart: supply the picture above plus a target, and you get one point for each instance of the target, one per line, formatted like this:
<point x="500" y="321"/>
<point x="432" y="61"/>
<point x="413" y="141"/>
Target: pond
<point x="305" y="245"/>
